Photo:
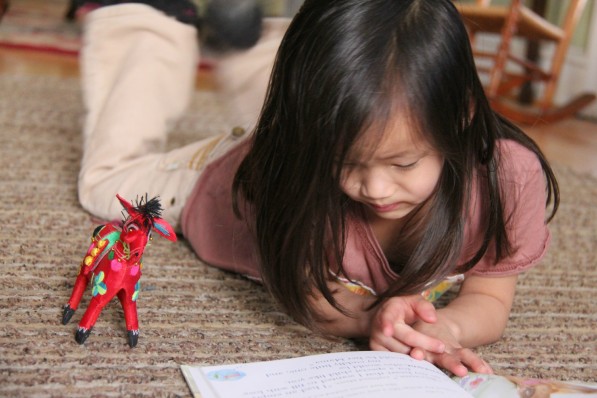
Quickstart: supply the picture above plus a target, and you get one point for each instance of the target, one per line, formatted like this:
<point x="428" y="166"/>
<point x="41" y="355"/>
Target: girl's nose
<point x="375" y="187"/>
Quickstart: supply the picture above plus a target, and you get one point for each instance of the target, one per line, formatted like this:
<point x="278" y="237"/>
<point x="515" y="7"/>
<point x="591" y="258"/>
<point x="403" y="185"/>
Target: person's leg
<point x="138" y="68"/>
<point x="138" y="71"/>
<point x="243" y="76"/>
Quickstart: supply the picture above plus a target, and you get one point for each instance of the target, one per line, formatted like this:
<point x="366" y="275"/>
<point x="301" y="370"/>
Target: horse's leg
<point x="129" y="307"/>
<point x="75" y="298"/>
<point x="97" y="303"/>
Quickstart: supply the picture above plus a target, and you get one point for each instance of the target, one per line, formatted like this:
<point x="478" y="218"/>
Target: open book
<point x="370" y="374"/>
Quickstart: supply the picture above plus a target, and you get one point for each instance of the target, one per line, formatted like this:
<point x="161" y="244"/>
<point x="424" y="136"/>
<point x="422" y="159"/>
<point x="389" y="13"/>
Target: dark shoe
<point x="231" y="24"/>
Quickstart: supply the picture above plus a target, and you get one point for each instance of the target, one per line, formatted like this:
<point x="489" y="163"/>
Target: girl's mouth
<point x="384" y="208"/>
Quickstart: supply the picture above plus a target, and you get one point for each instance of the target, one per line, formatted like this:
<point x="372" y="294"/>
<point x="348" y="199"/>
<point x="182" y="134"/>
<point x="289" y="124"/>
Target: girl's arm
<point x="480" y="312"/>
<point x="355" y="323"/>
<point x="363" y="321"/>
<point x="409" y="324"/>
<point x="477" y="316"/>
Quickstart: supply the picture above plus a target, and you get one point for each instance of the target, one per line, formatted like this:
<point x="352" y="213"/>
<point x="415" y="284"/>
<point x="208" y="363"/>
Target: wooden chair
<point x="519" y="21"/>
<point x="3" y="8"/>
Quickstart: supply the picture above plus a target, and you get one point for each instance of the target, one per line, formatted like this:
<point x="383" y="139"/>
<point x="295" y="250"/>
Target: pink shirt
<point x="222" y="240"/>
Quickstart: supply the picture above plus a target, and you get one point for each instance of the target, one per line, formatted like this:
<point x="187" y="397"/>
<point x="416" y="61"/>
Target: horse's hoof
<point x="67" y="314"/>
<point x="133" y="337"/>
<point x="82" y="334"/>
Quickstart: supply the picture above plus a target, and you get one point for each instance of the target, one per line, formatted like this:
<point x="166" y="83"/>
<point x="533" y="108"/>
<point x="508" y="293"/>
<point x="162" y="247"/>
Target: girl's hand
<point x="455" y="358"/>
<point x="477" y="316"/>
<point x="391" y="328"/>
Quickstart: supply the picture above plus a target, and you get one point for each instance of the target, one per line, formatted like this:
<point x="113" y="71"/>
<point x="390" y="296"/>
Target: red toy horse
<point x="113" y="263"/>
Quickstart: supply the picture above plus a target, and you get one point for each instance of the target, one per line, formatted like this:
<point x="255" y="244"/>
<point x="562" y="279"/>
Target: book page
<point x="495" y="386"/>
<point x="372" y="374"/>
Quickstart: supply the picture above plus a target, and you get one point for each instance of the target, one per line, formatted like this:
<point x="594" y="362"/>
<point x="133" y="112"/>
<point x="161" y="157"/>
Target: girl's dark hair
<point x="342" y="66"/>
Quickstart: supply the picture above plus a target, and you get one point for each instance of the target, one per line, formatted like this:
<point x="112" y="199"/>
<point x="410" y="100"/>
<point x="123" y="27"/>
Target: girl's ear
<point x="164" y="229"/>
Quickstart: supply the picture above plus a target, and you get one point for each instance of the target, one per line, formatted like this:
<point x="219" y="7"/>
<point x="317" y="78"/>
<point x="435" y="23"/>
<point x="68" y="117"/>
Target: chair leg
<point x="526" y="95"/>
<point x="508" y="31"/>
<point x="527" y="115"/>
<point x="571" y="19"/>
<point x="3" y="8"/>
<point x="71" y="12"/>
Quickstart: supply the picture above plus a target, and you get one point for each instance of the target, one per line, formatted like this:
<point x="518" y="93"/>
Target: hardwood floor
<point x="14" y="61"/>
<point x="571" y="143"/>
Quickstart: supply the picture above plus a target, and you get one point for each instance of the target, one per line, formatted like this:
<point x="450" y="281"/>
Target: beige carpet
<point x="191" y="313"/>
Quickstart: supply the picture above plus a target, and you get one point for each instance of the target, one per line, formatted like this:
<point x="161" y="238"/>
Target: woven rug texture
<point x="191" y="313"/>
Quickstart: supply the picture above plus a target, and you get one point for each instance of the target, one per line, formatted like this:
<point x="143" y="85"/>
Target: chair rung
<point x="492" y="18"/>
<point x="519" y="61"/>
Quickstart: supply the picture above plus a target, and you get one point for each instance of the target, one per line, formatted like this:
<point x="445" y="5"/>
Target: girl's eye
<point x="406" y="166"/>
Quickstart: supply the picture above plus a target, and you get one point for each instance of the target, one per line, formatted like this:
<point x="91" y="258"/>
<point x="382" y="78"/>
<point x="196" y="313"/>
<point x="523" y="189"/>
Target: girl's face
<point x="391" y="175"/>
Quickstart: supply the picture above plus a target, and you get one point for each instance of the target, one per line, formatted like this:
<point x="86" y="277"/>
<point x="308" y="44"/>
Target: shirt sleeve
<point x="524" y="198"/>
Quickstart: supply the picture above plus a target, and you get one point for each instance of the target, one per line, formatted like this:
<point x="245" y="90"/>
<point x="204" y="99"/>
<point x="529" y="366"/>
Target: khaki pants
<point x="138" y="69"/>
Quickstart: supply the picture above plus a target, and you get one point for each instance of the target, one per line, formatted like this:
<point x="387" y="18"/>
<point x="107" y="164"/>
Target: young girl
<point x="376" y="174"/>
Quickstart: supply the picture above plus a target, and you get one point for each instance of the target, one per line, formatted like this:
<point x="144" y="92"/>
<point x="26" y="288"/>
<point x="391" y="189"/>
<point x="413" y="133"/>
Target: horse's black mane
<point x="151" y="208"/>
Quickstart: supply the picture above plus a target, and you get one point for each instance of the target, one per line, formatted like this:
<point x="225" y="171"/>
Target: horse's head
<point x="140" y="221"/>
